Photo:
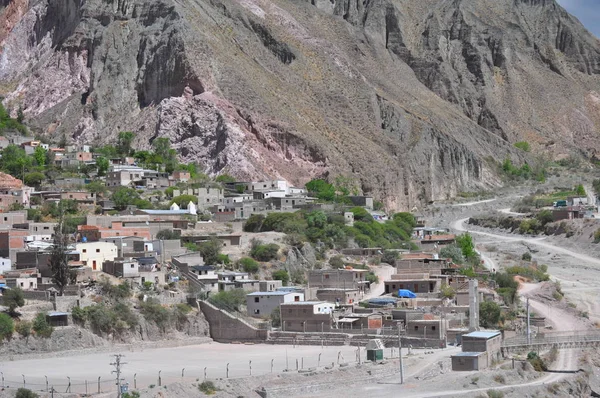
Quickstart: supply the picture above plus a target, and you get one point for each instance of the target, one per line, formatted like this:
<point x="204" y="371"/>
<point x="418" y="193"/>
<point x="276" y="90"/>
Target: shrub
<point x="499" y="379"/>
<point x="249" y="265"/>
<point x="262" y="252"/>
<point x="254" y="223"/>
<point x="232" y="299"/>
<point x="281" y="275"/>
<point x="223" y="259"/>
<point x="41" y="326"/>
<point x="24" y="329"/>
<point x="207" y="387"/>
<point x="168" y="234"/>
<point x="453" y="252"/>
<point x="7" y="327"/>
<point x="210" y="250"/>
<point x="523" y="145"/>
<point x="447" y="291"/>
<point x="25" y="393"/>
<point x="495" y="394"/>
<point x="489" y="314"/>
<point x="390" y="257"/>
<point x="526" y="256"/>
<point x="79" y="315"/>
<point x="537" y="362"/>
<point x="372" y="278"/>
<point x="336" y="262"/>
<point x="154" y="312"/>
<point x="597" y="236"/>
<point x="13" y="298"/>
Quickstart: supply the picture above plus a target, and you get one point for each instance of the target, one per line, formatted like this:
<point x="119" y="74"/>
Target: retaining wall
<point x="226" y="328"/>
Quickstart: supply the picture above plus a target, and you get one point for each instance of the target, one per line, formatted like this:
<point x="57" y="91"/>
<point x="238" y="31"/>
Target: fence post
<point x="227" y="370"/>
<point x="134" y="381"/>
<point x="205" y="374"/>
<point x="23" y="381"/>
<point x="159" y="379"/>
<point x="98" y="385"/>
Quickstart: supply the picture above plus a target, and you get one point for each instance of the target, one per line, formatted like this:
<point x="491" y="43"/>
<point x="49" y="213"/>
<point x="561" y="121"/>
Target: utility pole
<point x="400" y="355"/>
<point x="117" y="364"/>
<point x="528" y="327"/>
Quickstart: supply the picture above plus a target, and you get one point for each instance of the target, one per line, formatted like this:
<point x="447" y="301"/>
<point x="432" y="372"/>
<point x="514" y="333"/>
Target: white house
<point x="262" y="304"/>
<point x="93" y="254"/>
<point x="5" y="265"/>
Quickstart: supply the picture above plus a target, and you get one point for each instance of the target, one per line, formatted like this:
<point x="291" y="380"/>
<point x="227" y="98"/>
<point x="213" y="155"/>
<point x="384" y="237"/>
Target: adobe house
<point x="306" y="316"/>
<point x="261" y="304"/>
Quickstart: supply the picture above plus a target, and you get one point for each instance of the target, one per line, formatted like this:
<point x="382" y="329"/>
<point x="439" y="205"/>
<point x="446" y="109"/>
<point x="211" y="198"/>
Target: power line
<point x="117" y="364"/>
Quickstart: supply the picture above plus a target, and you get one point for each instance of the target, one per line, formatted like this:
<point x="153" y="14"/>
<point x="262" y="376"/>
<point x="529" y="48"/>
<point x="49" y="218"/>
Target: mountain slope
<point x="413" y="99"/>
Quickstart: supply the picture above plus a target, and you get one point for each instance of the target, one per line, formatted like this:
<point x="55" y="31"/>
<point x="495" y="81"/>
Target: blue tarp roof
<point x="406" y="293"/>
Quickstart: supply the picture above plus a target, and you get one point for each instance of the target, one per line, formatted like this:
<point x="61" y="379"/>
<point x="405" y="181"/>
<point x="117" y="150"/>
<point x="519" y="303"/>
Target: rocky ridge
<point x="416" y="100"/>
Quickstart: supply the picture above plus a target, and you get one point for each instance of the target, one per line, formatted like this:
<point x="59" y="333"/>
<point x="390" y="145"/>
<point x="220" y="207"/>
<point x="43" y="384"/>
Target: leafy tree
<point x="58" y="260"/>
<point x="321" y="189"/>
<point x="465" y="242"/>
<point x="249" y="265"/>
<point x="13" y="298"/>
<point x="162" y="148"/>
<point x="390" y="257"/>
<point x="40" y="156"/>
<point x="41" y="327"/>
<point x="276" y="318"/>
<point x="102" y="164"/>
<point x="14" y="161"/>
<point x="580" y="190"/>
<point x="223" y="259"/>
<point x="447" y="291"/>
<point x="225" y="178"/>
<point x="489" y="314"/>
<point x="183" y="200"/>
<point x="316" y="219"/>
<point x="124" y="143"/>
<point x="34" y="179"/>
<point x="371" y="278"/>
<point x="360" y="214"/>
<point x="232" y="299"/>
<point x="281" y="275"/>
<point x="545" y="217"/>
<point x="210" y="250"/>
<point x="254" y="223"/>
<point x="8" y="123"/>
<point x="336" y="262"/>
<point x="24" y="329"/>
<point x="453" y="252"/>
<point x="125" y="196"/>
<point x="7" y="327"/>
<point x="96" y="187"/>
<point x="526" y="256"/>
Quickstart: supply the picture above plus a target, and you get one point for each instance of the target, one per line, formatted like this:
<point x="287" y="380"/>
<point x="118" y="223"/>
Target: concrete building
<point x="270" y="286"/>
<point x="364" y="201"/>
<point x="5" y="265"/>
<point x="426" y="328"/>
<point x="94" y="254"/>
<point x="339" y="296"/>
<point x="307" y="316"/>
<point x="208" y="197"/>
<point x="13" y="217"/>
<point x="338" y="278"/>
<point x="480" y="349"/>
<point x="122" y="268"/>
<point x="262" y="304"/>
<point x="360" y="321"/>
<point x="122" y="176"/>
<point x="207" y="275"/>
<point x="416" y="285"/>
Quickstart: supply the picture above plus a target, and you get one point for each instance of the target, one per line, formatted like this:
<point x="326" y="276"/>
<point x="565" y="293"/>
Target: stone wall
<point x="226" y="328"/>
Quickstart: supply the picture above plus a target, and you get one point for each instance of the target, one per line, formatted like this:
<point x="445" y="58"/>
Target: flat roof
<point x="348" y="320"/>
<point x="306" y="303"/>
<point x="468" y="354"/>
<point x="483" y="334"/>
<point x="277" y="293"/>
<point x="166" y="212"/>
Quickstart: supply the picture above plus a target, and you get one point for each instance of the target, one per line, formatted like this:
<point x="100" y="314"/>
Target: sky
<point x="587" y="11"/>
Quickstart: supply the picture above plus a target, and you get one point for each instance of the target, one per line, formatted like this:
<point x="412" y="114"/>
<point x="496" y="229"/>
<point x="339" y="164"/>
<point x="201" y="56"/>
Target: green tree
<point x="40" y="156"/>
<point x="254" y="223"/>
<point x="545" y="217"/>
<point x="336" y="262"/>
<point x="34" y="179"/>
<point x="321" y="189"/>
<point x="183" y="200"/>
<point x="281" y="275"/>
<point x="225" y="178"/>
<point x="453" y="252"/>
<point x="96" y="187"/>
<point x="465" y="242"/>
<point x="231" y="299"/>
<point x="7" y="327"/>
<point x="14" y="161"/>
<point x="13" y="298"/>
<point x="489" y="314"/>
<point x="41" y="327"/>
<point x="390" y="257"/>
<point x="263" y="252"/>
<point x="124" y="143"/>
<point x="523" y="145"/>
<point x="249" y="265"/>
<point x="168" y="234"/>
<point x="162" y="148"/>
<point x="102" y="164"/>
<point x="316" y="219"/>
<point x="24" y="329"/>
<point x="580" y="190"/>
<point x="276" y="318"/>
<point x="210" y="250"/>
<point x="125" y="196"/>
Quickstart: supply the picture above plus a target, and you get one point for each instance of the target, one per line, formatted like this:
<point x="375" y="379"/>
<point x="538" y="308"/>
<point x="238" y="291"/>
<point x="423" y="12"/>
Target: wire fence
<point x="137" y="376"/>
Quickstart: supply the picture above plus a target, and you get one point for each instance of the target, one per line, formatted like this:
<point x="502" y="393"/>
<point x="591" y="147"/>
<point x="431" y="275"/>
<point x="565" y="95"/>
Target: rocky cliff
<point x="414" y="99"/>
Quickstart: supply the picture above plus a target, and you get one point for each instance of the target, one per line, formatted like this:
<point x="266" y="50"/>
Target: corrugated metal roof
<point x="483" y="335"/>
<point x="468" y="354"/>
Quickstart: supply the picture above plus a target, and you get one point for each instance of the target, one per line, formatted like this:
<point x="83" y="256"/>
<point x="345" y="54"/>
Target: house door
<point x="416" y="288"/>
<point x="94" y="265"/>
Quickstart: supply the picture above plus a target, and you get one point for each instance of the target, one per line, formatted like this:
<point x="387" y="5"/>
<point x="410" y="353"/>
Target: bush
<point x="41" y="327"/>
<point x="537" y="362"/>
<point x="25" y="393"/>
<point x="249" y="265"/>
<point x="24" y="329"/>
<point x="526" y="256"/>
<point x="372" y="278"/>
<point x="232" y="299"/>
<point x="495" y="394"/>
<point x="210" y="250"/>
<point x="79" y="315"/>
<point x="390" y="257"/>
<point x="489" y="314"/>
<point x="207" y="387"/>
<point x="523" y="145"/>
<point x="281" y="275"/>
<point x="154" y="312"/>
<point x="254" y="223"/>
<point x="13" y="298"/>
<point x="453" y="252"/>
<point x="262" y="252"/>
<point x="336" y="262"/>
<point x="7" y="327"/>
<point x="447" y="291"/>
<point x="597" y="236"/>
<point x="168" y="234"/>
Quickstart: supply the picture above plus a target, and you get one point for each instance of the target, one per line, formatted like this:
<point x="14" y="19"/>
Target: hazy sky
<point x="587" y="11"/>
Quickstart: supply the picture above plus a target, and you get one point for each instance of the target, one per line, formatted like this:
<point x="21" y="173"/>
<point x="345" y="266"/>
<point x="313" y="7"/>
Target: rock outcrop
<point x="416" y="100"/>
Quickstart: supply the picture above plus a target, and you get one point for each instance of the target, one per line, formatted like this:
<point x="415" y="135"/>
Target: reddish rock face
<point x="9" y="182"/>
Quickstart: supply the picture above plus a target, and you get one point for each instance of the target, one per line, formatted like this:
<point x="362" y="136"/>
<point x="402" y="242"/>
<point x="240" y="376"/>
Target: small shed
<point x="467" y="361"/>
<point x="375" y="350"/>
<point x="57" y="318"/>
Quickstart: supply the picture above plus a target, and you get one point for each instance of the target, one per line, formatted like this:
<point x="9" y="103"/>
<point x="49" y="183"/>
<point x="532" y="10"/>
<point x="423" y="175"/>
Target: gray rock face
<point x="415" y="100"/>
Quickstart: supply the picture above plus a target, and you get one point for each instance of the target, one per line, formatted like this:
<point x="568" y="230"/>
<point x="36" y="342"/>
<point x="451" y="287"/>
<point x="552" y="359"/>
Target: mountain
<point x="415" y="100"/>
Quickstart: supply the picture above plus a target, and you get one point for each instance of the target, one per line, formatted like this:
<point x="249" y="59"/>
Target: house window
<point x="45" y="228"/>
<point x="326" y="276"/>
<point x="31" y="284"/>
<point x="433" y="328"/>
<point x="21" y="284"/>
<point x="289" y="311"/>
<point x="256" y="299"/>
<point x="132" y="266"/>
<point x="84" y="250"/>
<point x="256" y="312"/>
<point x="97" y="250"/>
<point x="304" y="310"/>
<point x="5" y="218"/>
<point x="416" y="328"/>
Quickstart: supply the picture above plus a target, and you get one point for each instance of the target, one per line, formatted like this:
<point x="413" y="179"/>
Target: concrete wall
<point x="225" y="328"/>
